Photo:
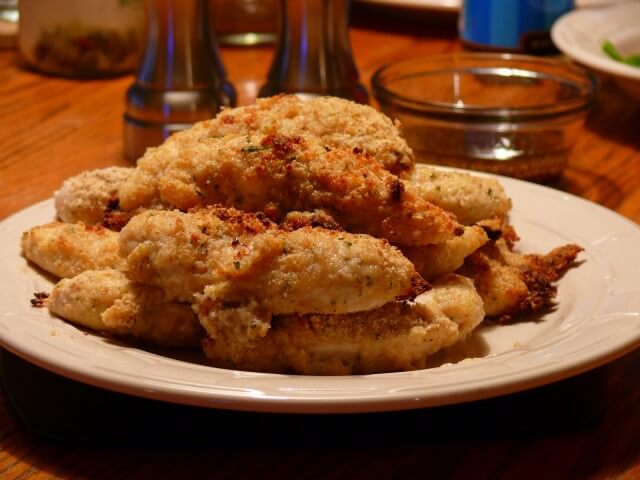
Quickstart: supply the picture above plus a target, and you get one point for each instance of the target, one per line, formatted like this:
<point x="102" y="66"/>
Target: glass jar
<point x="515" y="115"/>
<point x="81" y="38"/>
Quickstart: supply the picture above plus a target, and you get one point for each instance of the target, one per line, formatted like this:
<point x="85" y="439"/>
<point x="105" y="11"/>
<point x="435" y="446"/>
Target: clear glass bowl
<point x="515" y="115"/>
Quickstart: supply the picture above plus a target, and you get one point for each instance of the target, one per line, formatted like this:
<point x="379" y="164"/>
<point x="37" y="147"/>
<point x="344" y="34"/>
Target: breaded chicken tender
<point x="433" y="261"/>
<point x="67" y="249"/>
<point x="512" y="284"/>
<point x="87" y="197"/>
<point x="470" y="198"/>
<point x="107" y="301"/>
<point x="397" y="336"/>
<point x="182" y="253"/>
<point x="336" y="122"/>
<point x="278" y="174"/>
<point x="235" y="259"/>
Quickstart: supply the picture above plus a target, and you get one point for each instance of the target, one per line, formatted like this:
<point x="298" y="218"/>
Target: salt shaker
<point x="180" y="79"/>
<point x="313" y="54"/>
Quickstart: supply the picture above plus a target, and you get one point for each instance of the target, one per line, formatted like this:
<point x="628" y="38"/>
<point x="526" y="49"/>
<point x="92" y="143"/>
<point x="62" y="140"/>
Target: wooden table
<point x="588" y="427"/>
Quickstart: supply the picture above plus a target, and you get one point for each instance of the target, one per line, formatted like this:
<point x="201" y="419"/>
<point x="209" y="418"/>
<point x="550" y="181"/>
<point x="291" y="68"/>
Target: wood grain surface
<point x="589" y="427"/>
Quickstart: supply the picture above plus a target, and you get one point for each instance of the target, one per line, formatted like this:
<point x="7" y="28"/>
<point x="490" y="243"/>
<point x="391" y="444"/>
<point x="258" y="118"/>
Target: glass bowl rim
<point x="587" y="82"/>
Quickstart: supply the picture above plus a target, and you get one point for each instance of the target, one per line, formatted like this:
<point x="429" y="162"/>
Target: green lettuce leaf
<point x="612" y="51"/>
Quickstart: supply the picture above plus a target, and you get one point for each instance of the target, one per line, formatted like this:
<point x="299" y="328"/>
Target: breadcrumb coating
<point x="233" y="258"/>
<point x="278" y="174"/>
<point x="67" y="249"/>
<point x="398" y="336"/>
<point x="470" y="198"/>
<point x="89" y="196"/>
<point x="513" y="284"/>
<point x="107" y="301"/>
<point x="335" y="122"/>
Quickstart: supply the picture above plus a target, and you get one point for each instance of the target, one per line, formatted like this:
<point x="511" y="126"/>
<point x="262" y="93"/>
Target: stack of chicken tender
<point x="290" y="236"/>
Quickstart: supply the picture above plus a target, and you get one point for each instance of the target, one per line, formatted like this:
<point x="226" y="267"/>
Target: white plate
<point x="597" y="319"/>
<point x="581" y="33"/>
<point x="455" y="5"/>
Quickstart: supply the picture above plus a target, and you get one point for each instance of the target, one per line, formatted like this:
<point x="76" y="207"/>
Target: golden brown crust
<point x="318" y="218"/>
<point x="106" y="301"/>
<point x="470" y="198"/>
<point x="87" y="197"/>
<point x="283" y="173"/>
<point x="335" y="122"/>
<point x="540" y="273"/>
<point x="396" y="336"/>
<point x="234" y="257"/>
<point x="513" y="284"/>
<point x="66" y="249"/>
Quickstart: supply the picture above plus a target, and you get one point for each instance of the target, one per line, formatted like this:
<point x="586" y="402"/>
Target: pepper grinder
<point x="180" y="78"/>
<point x="313" y="55"/>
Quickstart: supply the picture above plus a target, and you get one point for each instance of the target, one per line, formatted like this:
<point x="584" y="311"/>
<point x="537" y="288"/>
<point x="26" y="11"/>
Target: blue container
<point x="513" y="25"/>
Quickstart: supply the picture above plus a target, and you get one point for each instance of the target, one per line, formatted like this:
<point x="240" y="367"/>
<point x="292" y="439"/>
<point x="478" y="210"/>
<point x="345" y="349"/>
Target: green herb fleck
<point x="237" y="265"/>
<point x="253" y="149"/>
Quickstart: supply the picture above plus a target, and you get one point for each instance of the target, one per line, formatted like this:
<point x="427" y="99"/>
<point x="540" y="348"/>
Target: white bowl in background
<point x="581" y="33"/>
